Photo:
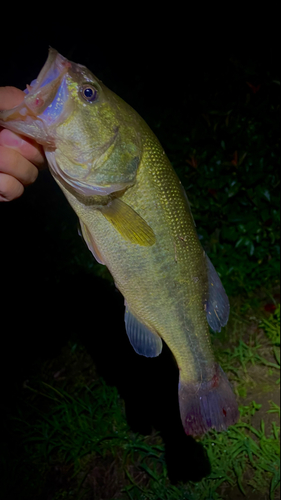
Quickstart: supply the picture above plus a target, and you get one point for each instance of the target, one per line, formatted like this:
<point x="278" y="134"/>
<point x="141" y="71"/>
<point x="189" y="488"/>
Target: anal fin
<point x="144" y="341"/>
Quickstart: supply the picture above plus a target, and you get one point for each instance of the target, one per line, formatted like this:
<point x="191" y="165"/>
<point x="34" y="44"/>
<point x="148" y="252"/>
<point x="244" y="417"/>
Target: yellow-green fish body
<point x="136" y="220"/>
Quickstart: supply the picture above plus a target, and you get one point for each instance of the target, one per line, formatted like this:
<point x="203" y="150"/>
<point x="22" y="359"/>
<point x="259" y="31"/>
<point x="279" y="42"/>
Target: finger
<point x="14" y="164"/>
<point x="10" y="97"/>
<point x="10" y="188"/>
<point x="32" y="151"/>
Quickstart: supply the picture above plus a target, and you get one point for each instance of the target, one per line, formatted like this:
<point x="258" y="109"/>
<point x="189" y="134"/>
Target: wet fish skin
<point x="135" y="218"/>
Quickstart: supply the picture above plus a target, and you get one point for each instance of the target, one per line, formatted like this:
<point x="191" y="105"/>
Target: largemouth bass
<point x="136" y="220"/>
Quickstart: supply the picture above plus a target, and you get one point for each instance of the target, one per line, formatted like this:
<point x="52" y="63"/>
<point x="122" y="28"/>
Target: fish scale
<point x="152" y="293"/>
<point x="188" y="258"/>
<point x="136" y="220"/>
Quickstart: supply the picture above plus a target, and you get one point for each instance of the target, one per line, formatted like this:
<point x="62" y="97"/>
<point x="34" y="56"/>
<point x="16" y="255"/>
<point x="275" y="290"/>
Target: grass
<point x="83" y="430"/>
<point x="241" y="447"/>
<point x="271" y="327"/>
<point x="245" y="354"/>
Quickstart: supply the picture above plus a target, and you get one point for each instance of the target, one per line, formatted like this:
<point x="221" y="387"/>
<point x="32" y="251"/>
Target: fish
<point x="136" y="219"/>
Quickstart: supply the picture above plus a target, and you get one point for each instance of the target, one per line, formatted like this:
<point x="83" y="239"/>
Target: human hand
<point x="20" y="157"/>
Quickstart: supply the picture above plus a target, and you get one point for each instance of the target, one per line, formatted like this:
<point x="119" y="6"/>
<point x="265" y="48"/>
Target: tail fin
<point x="207" y="405"/>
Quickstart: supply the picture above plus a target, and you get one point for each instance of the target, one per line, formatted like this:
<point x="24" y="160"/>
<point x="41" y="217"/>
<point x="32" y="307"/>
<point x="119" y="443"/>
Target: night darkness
<point x="49" y="293"/>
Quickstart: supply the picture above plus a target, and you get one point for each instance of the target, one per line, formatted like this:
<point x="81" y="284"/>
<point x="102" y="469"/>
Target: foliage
<point x="271" y="326"/>
<point x="227" y="157"/>
<point x="245" y="354"/>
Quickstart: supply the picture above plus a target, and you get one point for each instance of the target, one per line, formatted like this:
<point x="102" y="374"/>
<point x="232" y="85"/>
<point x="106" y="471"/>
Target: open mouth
<point x="43" y="103"/>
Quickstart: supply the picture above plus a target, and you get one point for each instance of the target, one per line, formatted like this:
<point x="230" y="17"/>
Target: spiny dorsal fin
<point x="128" y="223"/>
<point x="144" y="341"/>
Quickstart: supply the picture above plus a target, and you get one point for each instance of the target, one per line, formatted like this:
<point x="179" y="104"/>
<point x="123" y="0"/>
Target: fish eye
<point x="88" y="92"/>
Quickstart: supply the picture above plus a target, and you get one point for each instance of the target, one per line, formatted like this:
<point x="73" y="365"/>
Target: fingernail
<point x="9" y="139"/>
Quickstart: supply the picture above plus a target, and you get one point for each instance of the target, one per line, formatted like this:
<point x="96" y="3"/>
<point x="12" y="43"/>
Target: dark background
<point x="165" y="68"/>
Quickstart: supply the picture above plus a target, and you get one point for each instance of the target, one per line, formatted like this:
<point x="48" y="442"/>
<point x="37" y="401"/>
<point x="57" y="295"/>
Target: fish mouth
<point x="53" y="70"/>
<point x="41" y="106"/>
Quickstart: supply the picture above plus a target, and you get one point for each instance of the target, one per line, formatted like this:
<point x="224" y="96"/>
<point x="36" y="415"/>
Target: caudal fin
<point x="207" y="405"/>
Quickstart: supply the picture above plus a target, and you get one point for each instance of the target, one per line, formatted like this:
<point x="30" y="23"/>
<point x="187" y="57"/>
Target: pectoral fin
<point x="217" y="304"/>
<point x="128" y="223"/>
<point x="142" y="339"/>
